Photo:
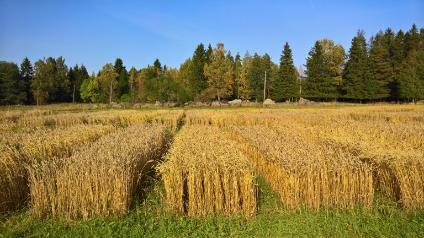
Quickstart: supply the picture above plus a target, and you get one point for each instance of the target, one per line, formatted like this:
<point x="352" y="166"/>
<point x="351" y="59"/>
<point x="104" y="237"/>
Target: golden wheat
<point x="205" y="173"/>
<point x="99" y="179"/>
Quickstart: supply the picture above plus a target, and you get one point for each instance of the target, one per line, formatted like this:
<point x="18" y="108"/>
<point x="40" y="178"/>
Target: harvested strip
<point x="99" y="179"/>
<point x="205" y="173"/>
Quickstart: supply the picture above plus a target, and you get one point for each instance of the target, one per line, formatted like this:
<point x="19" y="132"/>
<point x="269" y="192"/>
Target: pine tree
<point x="285" y="86"/>
<point x="27" y="73"/>
<point x="318" y="83"/>
<point x="357" y="78"/>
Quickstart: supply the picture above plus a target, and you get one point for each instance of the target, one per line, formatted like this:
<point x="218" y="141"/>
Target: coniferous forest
<point x="389" y="67"/>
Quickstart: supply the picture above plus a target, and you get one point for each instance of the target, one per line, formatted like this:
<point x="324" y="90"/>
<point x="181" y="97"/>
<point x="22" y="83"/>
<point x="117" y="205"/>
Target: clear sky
<point x="96" y="32"/>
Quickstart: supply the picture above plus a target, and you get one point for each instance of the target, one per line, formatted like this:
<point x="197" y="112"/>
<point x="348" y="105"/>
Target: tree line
<point x="389" y="67"/>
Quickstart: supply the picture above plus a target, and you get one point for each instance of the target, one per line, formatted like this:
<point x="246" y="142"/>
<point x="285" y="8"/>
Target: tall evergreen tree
<point x="237" y="71"/>
<point x="72" y="77"/>
<point x="334" y="56"/>
<point x="11" y="84"/>
<point x="122" y="87"/>
<point x="243" y="89"/>
<point x="158" y="67"/>
<point x="382" y="68"/>
<point x="357" y="78"/>
<point x="285" y="86"/>
<point x="197" y="78"/>
<point x="208" y="53"/>
<point x="271" y="71"/>
<point x="411" y="75"/>
<point x="318" y="83"/>
<point x="411" y="86"/>
<point x="27" y="73"/>
<point x="255" y="76"/>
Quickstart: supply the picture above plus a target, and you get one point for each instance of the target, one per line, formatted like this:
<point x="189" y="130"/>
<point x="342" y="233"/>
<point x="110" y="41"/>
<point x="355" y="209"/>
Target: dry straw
<point x="305" y="172"/>
<point x="20" y="149"/>
<point x="205" y="173"/>
<point x="99" y="179"/>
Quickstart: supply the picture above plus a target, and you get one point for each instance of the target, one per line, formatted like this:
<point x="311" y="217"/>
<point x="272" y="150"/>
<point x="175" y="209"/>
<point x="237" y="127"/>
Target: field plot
<point x="323" y="155"/>
<point x="29" y="137"/>
<point x="246" y="170"/>
<point x="204" y="173"/>
<point x="99" y="179"/>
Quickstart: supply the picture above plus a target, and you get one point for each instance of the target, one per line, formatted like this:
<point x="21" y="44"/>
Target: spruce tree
<point x="27" y="73"/>
<point x="410" y="84"/>
<point x="197" y="79"/>
<point x="255" y="76"/>
<point x="318" y="83"/>
<point x="122" y="87"/>
<point x="11" y="84"/>
<point x="285" y="86"/>
<point x="411" y="75"/>
<point x="381" y="66"/>
<point x="237" y="71"/>
<point x="357" y="78"/>
<point x="271" y="71"/>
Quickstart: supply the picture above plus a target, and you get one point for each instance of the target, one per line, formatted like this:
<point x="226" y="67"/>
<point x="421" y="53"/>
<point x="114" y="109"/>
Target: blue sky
<point x="96" y="32"/>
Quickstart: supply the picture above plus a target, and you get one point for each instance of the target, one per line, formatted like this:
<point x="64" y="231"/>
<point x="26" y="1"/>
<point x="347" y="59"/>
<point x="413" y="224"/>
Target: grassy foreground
<point x="152" y="220"/>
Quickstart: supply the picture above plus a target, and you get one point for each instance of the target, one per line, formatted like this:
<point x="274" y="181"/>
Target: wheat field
<point x="75" y="163"/>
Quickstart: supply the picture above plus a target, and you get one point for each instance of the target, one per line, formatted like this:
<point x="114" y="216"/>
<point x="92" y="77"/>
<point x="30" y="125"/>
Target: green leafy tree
<point x="107" y="79"/>
<point x="91" y="91"/>
<point x="50" y="82"/>
<point x="219" y="73"/>
<point x="285" y="86"/>
<point x="132" y="82"/>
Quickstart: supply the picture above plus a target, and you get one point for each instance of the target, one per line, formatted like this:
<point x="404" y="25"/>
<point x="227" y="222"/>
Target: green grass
<point x="151" y="219"/>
